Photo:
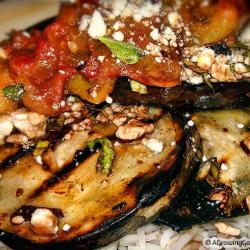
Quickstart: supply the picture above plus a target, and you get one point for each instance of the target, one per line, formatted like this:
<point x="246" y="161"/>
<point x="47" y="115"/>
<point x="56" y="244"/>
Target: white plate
<point x="20" y="14"/>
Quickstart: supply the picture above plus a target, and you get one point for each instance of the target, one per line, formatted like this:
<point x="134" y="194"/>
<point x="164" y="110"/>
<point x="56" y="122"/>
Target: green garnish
<point x="138" y="87"/>
<point x="126" y="52"/>
<point x="107" y="155"/>
<point x="41" y="146"/>
<point x="194" y="67"/>
<point x="208" y="82"/>
<point x="14" y="92"/>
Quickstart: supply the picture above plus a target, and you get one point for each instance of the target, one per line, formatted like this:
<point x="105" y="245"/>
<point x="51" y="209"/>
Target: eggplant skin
<point x="220" y="133"/>
<point x="186" y="97"/>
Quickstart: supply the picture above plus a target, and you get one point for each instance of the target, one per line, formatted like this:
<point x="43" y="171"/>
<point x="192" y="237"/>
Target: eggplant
<point x="186" y="96"/>
<point x="221" y="187"/>
<point x="98" y="207"/>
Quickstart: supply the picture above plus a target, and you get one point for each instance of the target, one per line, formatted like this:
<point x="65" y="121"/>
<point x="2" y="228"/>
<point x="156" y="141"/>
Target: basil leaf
<point x="107" y="155"/>
<point x="14" y="92"/>
<point x="126" y="52"/>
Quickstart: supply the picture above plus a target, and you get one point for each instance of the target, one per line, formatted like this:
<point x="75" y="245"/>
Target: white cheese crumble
<point x="97" y="27"/>
<point x="153" y="144"/>
<point x="224" y="167"/>
<point x="109" y="100"/>
<point x="174" y="19"/>
<point x="136" y="9"/>
<point x="84" y="23"/>
<point x="62" y="72"/>
<point x="240" y="126"/>
<point x="154" y="34"/>
<point x="66" y="227"/>
<point x="39" y="159"/>
<point x="204" y="158"/>
<point x="119" y="36"/>
<point x="101" y="58"/>
<point x="190" y="123"/>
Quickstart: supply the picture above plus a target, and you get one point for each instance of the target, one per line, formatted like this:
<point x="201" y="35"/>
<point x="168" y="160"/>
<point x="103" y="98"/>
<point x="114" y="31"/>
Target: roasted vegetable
<point x="222" y="184"/>
<point x="187" y="96"/>
<point x="98" y="208"/>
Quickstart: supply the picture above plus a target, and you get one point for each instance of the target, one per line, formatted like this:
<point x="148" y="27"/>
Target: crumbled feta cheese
<point x="240" y="68"/>
<point x="204" y="158"/>
<point x="80" y="64"/>
<point x="30" y="123"/>
<point x="240" y="126"/>
<point x="39" y="159"/>
<point x="153" y="144"/>
<point x="197" y="79"/>
<point x="154" y="34"/>
<point x="44" y="222"/>
<point x="93" y="93"/>
<point x="224" y="167"/>
<point x="206" y="59"/>
<point x="84" y="23"/>
<point x="6" y="127"/>
<point x="109" y="100"/>
<point x="62" y="72"/>
<point x="174" y="19"/>
<point x="101" y="58"/>
<point x="66" y="227"/>
<point x="118" y="6"/>
<point x="158" y="59"/>
<point x="117" y="25"/>
<point x="119" y="36"/>
<point x="190" y="123"/>
<point x="27" y="34"/>
<point x="97" y="25"/>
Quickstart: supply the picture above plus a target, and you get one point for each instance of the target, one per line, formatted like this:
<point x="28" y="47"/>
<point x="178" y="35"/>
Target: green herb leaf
<point x="41" y="146"/>
<point x="107" y="155"/>
<point x="138" y="87"/>
<point x="14" y="92"/>
<point x="194" y="67"/>
<point x="126" y="52"/>
<point x="209" y="84"/>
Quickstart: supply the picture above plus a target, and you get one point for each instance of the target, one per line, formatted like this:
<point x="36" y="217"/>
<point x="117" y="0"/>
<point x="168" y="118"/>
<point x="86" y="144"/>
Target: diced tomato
<point x="45" y="98"/>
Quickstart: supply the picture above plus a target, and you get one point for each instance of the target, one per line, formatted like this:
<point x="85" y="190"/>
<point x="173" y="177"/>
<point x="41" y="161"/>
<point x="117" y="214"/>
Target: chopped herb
<point x="107" y="155"/>
<point x="208" y="82"/>
<point x="14" y="92"/>
<point x="232" y="68"/>
<point x="138" y="87"/>
<point x="194" y="67"/>
<point x="41" y="146"/>
<point x="126" y="52"/>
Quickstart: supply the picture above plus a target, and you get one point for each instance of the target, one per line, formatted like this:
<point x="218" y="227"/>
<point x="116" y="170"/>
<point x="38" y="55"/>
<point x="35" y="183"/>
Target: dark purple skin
<point x="186" y="97"/>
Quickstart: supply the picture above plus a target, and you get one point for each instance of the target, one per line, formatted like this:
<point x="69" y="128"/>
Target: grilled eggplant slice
<point x="221" y="187"/>
<point x="98" y="207"/>
<point x="186" y="96"/>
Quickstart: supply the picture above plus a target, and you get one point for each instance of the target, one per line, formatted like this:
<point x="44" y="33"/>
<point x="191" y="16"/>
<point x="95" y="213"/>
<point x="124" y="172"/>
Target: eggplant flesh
<point x="99" y="208"/>
<point x="186" y="97"/>
<point x="222" y="184"/>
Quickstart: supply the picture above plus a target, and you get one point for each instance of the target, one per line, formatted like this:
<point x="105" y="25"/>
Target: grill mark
<point x="13" y="159"/>
<point x="62" y="175"/>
